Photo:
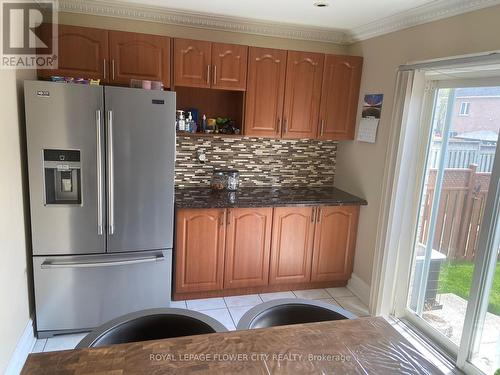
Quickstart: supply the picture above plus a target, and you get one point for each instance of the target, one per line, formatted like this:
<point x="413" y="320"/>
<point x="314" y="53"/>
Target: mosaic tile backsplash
<point x="261" y="161"/>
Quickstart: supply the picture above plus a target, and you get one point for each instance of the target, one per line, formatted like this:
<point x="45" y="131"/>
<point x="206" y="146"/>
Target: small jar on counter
<point x="219" y="180"/>
<point x="233" y="179"/>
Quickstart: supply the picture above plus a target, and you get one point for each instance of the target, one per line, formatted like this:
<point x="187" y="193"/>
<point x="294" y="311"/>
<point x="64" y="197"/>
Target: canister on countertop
<point x="225" y="179"/>
<point x="219" y="180"/>
<point x="233" y="179"/>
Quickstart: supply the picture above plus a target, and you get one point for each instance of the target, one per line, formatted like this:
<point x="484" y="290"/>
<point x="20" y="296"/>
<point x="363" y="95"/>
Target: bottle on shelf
<point x="191" y="125"/>
<point x="181" y="121"/>
<point x="188" y="124"/>
<point x="204" y="123"/>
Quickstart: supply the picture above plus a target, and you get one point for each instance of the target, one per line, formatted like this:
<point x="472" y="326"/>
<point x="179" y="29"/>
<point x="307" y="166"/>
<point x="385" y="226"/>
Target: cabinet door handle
<point x="221" y="219"/>
<point x="285" y="126"/>
<point x="113" y="69"/>
<point x="318" y="215"/>
<point x="313" y="216"/>
<point x="279" y="126"/>
<point x="322" y="127"/>
<point x="215" y="74"/>
<point x="228" y="221"/>
<point x="208" y="75"/>
<point x="104" y="68"/>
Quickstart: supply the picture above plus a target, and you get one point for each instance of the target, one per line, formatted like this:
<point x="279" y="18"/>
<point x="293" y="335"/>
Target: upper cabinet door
<point x="192" y="63"/>
<point x="339" y="98"/>
<point x="334" y="243"/>
<point x="229" y="63"/>
<point x="82" y="53"/>
<point x="139" y="56"/>
<point x="265" y="91"/>
<point x="248" y="244"/>
<point x="302" y="94"/>
<point x="292" y="241"/>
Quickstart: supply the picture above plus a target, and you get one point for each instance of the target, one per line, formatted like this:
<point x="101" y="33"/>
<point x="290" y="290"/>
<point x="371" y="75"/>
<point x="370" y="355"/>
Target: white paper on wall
<point x="367" y="131"/>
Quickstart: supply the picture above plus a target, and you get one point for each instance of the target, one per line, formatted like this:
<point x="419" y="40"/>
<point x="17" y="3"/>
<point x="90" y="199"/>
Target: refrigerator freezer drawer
<point x="81" y="292"/>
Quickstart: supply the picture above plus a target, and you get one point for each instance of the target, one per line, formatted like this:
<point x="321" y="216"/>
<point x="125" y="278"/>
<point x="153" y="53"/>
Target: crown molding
<point x="433" y="11"/>
<point x="202" y="20"/>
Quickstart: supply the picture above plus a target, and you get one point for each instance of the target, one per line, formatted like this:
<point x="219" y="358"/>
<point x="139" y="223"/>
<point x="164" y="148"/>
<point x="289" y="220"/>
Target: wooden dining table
<point x="358" y="346"/>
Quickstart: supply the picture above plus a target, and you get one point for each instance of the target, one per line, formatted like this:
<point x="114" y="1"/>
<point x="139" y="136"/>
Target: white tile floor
<point x="229" y="310"/>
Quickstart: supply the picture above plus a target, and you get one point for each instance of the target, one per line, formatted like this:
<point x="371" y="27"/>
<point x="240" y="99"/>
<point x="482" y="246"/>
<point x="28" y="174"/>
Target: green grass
<point x="456" y="278"/>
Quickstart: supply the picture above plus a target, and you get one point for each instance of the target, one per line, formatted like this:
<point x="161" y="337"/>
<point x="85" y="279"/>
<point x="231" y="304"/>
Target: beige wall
<point x="360" y="166"/>
<point x="112" y="23"/>
<point x="14" y="310"/>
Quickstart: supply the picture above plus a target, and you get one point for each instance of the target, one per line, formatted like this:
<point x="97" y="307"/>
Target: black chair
<point x="291" y="311"/>
<point x="151" y="324"/>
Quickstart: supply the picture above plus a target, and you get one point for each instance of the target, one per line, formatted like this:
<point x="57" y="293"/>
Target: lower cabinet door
<point x="199" y="250"/>
<point x="334" y="243"/>
<point x="248" y="245"/>
<point x="292" y="241"/>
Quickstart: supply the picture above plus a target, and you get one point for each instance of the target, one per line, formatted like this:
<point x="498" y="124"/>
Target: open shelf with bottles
<point x="213" y="103"/>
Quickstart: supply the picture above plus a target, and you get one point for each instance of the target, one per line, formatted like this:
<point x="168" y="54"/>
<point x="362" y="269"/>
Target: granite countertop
<point x="204" y="197"/>
<point x="359" y="346"/>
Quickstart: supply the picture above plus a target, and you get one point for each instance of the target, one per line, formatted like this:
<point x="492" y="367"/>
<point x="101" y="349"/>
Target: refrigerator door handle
<point x="111" y="187"/>
<point x="54" y="264"/>
<point x="99" y="172"/>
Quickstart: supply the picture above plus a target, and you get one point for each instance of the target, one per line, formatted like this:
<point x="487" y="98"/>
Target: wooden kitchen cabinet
<point x="139" y="56"/>
<point x="199" y="250"/>
<point x="115" y="57"/>
<point x="192" y="60"/>
<point x="82" y="52"/>
<point x="221" y="252"/>
<point x="339" y="97"/>
<point x="334" y="243"/>
<point x="248" y="245"/>
<point x="210" y="65"/>
<point x="265" y="92"/>
<point x="292" y="244"/>
<point x="272" y="93"/>
<point x="304" y="71"/>
<point x="229" y="64"/>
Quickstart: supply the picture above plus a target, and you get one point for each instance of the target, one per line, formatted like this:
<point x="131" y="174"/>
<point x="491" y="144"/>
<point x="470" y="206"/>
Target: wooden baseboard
<point x="179" y="296"/>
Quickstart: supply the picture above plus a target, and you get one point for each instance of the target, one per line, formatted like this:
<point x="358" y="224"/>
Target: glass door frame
<point x="486" y="257"/>
<point x="484" y="271"/>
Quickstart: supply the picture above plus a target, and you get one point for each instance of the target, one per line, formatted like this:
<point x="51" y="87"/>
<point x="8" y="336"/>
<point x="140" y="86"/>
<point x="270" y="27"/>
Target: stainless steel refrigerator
<point x="101" y="180"/>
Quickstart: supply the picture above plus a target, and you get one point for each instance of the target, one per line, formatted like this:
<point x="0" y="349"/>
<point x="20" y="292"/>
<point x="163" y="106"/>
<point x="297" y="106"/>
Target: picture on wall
<point x="372" y="106"/>
<point x="370" y="117"/>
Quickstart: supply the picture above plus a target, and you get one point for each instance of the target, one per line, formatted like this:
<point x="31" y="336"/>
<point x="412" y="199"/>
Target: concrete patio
<point x="450" y="320"/>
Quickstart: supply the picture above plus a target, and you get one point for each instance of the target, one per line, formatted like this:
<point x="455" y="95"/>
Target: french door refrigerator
<point x="101" y="181"/>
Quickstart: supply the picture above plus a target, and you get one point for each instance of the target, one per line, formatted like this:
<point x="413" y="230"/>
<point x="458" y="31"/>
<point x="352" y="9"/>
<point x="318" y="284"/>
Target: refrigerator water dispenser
<point x="62" y="176"/>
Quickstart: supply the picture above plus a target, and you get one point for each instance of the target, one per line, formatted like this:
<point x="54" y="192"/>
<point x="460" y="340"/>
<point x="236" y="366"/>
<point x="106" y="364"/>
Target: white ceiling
<point x="342" y="22"/>
<point x="340" y="14"/>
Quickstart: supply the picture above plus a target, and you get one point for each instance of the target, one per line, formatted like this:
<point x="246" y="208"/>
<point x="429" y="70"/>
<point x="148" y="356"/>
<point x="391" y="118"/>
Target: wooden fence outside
<point x="462" y="153"/>
<point x="463" y="196"/>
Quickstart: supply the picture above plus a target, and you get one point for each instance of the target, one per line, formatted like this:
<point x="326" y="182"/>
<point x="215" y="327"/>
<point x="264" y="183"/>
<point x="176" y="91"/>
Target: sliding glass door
<point x="454" y="285"/>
